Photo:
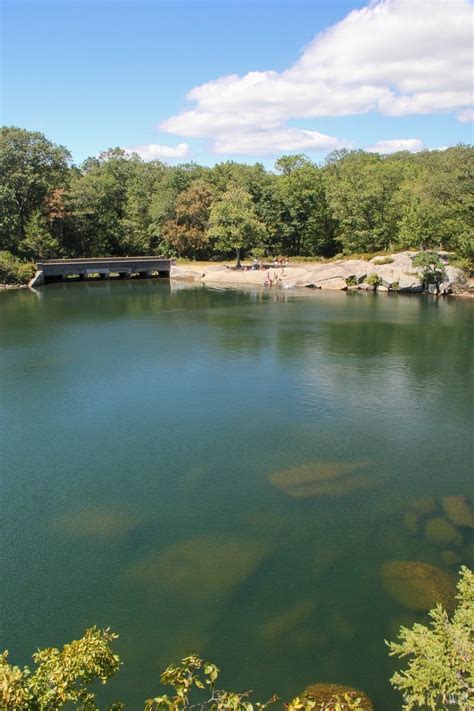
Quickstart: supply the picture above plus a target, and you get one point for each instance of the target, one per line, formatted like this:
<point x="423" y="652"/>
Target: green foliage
<point x="464" y="263"/>
<point x="351" y="280"/>
<point x="440" y="671"/>
<point x="198" y="674"/>
<point x="31" y="167"/>
<point x="60" y="677"/>
<point x="233" y="222"/>
<point x="39" y="241"/>
<point x="117" y="204"/>
<point x="339" y="702"/>
<point x="13" y="270"/>
<point x="384" y="260"/>
<point x="433" y="270"/>
<point x="373" y="280"/>
<point x="186" y="232"/>
<point x="305" y="222"/>
<point x="362" y="190"/>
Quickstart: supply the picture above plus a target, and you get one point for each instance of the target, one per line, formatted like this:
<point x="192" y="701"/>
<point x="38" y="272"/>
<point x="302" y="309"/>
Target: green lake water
<point x="149" y="436"/>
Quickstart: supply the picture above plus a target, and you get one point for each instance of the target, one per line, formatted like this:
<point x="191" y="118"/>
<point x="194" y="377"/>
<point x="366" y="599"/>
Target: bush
<point x="14" y="271"/>
<point x="373" y="280"/>
<point x="384" y="260"/>
<point x="465" y="264"/>
<point x="433" y="270"/>
<point x="351" y="280"/>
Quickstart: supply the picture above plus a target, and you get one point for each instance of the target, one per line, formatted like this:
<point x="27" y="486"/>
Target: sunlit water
<point x="144" y="431"/>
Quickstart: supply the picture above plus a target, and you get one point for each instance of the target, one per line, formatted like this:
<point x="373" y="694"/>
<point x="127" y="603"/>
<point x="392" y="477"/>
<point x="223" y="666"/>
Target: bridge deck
<point x="124" y="266"/>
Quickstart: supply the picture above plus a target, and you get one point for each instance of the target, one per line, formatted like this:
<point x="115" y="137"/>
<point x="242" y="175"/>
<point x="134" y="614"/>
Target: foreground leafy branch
<point x="61" y="676"/>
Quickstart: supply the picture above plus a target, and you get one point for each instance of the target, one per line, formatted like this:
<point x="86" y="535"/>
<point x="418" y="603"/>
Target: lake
<point x="228" y="472"/>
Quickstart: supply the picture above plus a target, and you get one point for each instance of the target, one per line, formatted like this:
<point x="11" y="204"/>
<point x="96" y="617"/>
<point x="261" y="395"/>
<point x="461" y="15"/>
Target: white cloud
<point x="397" y="57"/>
<point x="290" y="140"/>
<point x="396" y="144"/>
<point x="154" y="151"/>
<point x="466" y="116"/>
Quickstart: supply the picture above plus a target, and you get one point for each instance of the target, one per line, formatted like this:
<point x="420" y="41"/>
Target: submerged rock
<point x="418" y="586"/>
<point x="439" y="531"/>
<point x="288" y="620"/>
<point x="450" y="558"/>
<point x="423" y="506"/>
<point x="417" y="510"/>
<point x="459" y="511"/>
<point x="101" y="523"/>
<point x="321" y="479"/>
<point x="202" y="570"/>
<point x="327" y="696"/>
<point x="291" y="629"/>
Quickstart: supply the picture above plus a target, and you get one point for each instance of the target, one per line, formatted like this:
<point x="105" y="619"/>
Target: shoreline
<point x="395" y="273"/>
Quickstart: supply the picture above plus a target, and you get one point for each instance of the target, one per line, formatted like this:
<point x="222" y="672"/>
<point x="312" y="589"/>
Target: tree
<point x="305" y="223"/>
<point x="437" y="201"/>
<point x="234" y="223"/>
<point x="440" y="672"/>
<point x="31" y="166"/>
<point x="287" y="164"/>
<point x="187" y="231"/>
<point x="433" y="268"/>
<point x="362" y="189"/>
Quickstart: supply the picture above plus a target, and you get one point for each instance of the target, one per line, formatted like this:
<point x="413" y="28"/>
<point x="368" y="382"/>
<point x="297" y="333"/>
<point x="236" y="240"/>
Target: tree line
<point x="118" y="205"/>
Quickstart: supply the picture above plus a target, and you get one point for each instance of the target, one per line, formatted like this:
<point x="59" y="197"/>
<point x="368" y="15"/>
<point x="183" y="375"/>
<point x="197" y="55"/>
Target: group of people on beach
<point x="277" y="262"/>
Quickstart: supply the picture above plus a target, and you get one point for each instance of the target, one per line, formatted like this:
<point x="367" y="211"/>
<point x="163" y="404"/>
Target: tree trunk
<point x="238" y="264"/>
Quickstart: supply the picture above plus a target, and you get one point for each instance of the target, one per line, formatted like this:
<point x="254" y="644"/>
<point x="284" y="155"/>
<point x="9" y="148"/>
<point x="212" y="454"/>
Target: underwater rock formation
<point x="459" y="511"/>
<point x="329" y="694"/>
<point x="417" y="510"/>
<point x="291" y="629"/>
<point x="450" y="558"/>
<point x="418" y="586"/>
<point x="104" y="524"/>
<point x="204" y="569"/>
<point x="321" y="479"/>
<point x="439" y="531"/>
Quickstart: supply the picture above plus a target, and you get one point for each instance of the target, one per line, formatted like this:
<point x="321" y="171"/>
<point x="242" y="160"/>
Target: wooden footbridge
<point x="104" y="267"/>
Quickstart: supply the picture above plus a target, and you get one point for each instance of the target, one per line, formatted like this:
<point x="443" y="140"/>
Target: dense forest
<point x="117" y="204"/>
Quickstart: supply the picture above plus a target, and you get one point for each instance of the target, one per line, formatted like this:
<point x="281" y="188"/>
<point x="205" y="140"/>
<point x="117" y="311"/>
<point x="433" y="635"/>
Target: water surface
<point x="149" y="438"/>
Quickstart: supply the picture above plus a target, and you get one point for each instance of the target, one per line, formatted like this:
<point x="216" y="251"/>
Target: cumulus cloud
<point x="466" y="116"/>
<point x="396" y="144"/>
<point x="154" y="151"/>
<point x="397" y="57"/>
<point x="277" y="140"/>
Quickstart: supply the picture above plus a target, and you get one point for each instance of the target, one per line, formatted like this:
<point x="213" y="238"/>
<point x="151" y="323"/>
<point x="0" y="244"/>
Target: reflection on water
<point x="276" y="481"/>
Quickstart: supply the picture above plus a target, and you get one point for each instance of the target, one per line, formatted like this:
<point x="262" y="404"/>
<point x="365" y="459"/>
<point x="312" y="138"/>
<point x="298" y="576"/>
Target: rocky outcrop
<point x="328" y="696"/>
<point x="395" y="273"/>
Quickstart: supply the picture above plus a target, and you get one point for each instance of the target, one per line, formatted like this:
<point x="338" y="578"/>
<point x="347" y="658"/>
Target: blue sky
<point x="93" y="74"/>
